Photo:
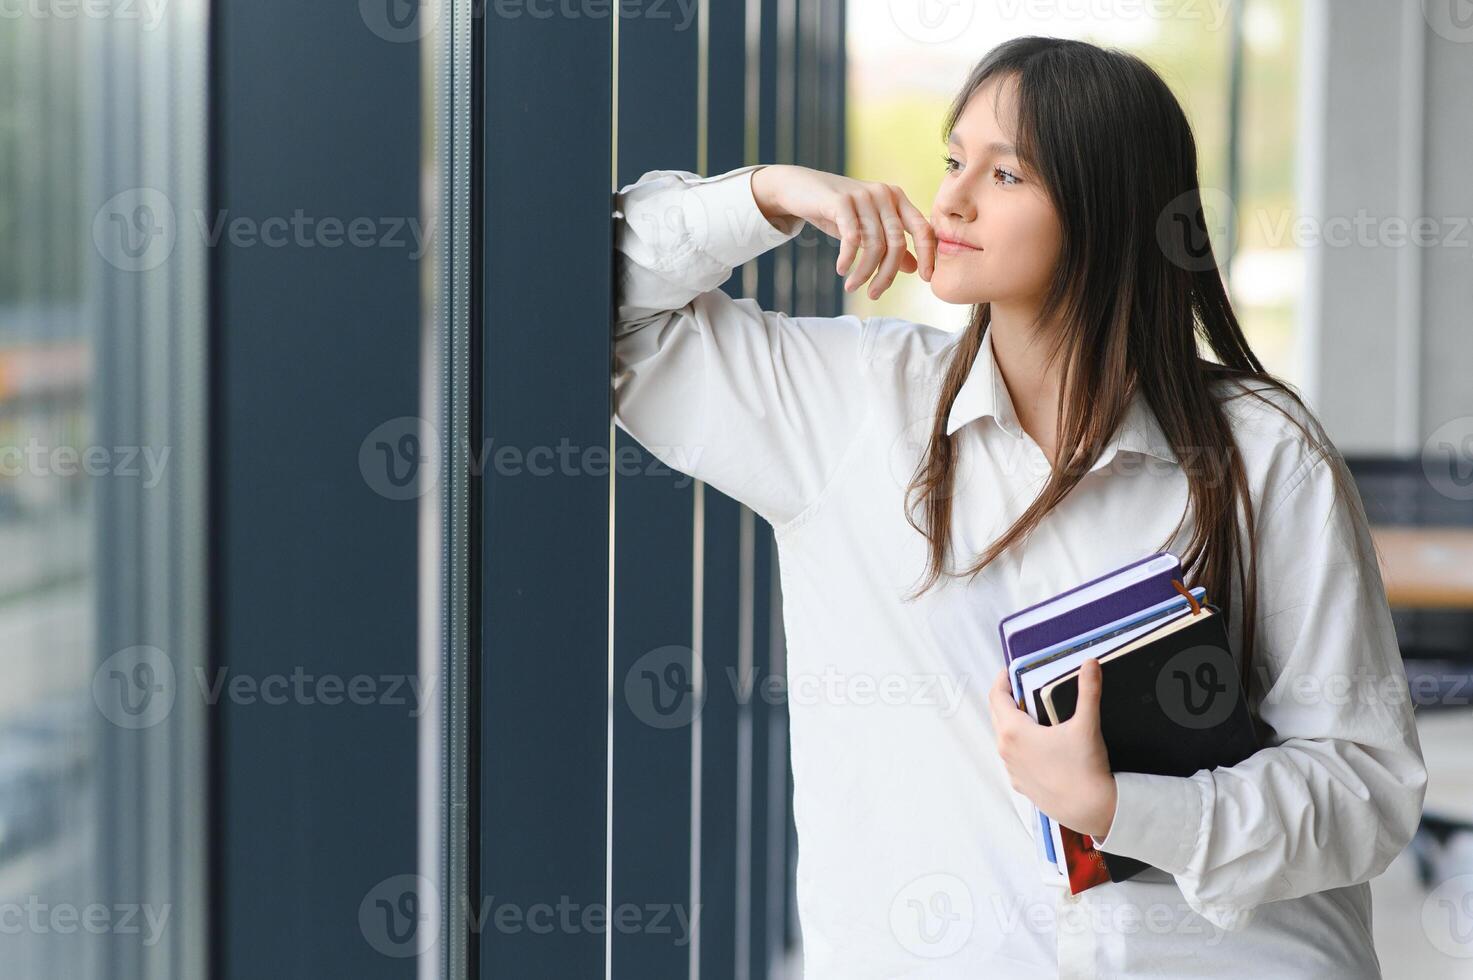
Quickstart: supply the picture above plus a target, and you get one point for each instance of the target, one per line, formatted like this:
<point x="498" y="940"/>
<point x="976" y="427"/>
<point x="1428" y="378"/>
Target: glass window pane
<point x="101" y="491"/>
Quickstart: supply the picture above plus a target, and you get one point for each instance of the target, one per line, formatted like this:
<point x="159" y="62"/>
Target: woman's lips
<point x="947" y="246"/>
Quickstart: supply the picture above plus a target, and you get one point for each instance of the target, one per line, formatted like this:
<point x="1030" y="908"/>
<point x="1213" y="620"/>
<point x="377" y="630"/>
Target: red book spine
<point x="1083" y="861"/>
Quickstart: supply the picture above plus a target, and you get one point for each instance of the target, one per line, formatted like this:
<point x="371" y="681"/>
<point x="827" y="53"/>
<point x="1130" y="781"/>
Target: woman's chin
<point x="947" y="290"/>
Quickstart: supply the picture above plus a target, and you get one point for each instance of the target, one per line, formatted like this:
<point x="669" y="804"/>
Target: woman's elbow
<point x="1402" y="811"/>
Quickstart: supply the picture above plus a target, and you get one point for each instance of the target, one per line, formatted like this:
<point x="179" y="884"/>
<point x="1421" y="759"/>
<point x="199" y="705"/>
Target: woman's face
<point x="988" y="201"/>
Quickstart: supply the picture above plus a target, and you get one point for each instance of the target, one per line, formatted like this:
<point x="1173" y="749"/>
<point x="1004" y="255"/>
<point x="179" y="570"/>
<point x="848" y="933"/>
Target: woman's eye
<point x="1008" y="177"/>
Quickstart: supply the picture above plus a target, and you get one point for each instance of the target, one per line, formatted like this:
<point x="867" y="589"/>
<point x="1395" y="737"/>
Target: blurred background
<point x="309" y="668"/>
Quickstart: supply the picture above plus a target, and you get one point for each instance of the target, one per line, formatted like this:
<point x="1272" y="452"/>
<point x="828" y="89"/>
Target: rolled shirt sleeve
<point x="759" y="404"/>
<point x="1337" y="793"/>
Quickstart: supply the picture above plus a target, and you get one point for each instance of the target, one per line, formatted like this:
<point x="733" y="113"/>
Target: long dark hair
<point x="1135" y="285"/>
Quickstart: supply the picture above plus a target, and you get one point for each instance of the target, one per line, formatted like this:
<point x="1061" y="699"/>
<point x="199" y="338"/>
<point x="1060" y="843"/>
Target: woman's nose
<point x="954" y="205"/>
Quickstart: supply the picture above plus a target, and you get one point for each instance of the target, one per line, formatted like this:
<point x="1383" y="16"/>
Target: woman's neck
<point x="1020" y="349"/>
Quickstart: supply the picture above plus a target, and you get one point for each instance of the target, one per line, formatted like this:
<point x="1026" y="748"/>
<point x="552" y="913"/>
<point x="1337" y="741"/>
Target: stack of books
<point x="1170" y="700"/>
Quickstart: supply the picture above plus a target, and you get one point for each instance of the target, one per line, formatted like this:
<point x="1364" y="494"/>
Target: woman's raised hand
<point x="870" y="219"/>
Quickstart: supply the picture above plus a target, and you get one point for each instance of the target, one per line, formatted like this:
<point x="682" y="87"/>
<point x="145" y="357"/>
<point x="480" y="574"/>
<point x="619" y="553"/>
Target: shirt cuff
<point x="1158" y="820"/>
<point x="736" y="231"/>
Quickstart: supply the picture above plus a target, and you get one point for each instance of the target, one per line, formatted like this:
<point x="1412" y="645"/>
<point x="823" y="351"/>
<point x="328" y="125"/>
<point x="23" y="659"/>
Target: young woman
<point x="922" y="485"/>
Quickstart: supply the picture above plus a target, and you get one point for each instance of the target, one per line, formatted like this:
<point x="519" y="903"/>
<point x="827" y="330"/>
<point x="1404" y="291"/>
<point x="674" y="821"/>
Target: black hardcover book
<point x="1171" y="703"/>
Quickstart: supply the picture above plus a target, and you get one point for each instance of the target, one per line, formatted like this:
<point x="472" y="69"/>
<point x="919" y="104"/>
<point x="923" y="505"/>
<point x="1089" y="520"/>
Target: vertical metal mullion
<point x="808" y="127"/>
<point x="156" y="783"/>
<point x="544" y="386"/>
<point x="756" y="281"/>
<point x="313" y="560"/>
<point x="779" y="817"/>
<point x="657" y="514"/>
<point x="836" y="136"/>
<point x="1411" y="200"/>
<point x="188" y="39"/>
<point x="742" y="898"/>
<point x="449" y="517"/>
<point x="774" y="292"/>
<point x="763" y="593"/>
<point x="699" y="682"/>
<point x="611" y="651"/>
<point x="1234" y="140"/>
<point x="722" y="589"/>
<point x="791" y="295"/>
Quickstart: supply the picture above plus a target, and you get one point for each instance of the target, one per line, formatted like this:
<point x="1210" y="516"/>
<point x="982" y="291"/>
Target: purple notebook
<point x="1090" y="605"/>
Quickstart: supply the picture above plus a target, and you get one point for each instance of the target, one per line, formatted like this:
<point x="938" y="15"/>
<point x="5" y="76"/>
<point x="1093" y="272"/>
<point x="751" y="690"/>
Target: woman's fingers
<point x="872" y="242"/>
<point x="1000" y="698"/>
<point x="895" y="249"/>
<point x="921" y="233"/>
<point x="848" y="222"/>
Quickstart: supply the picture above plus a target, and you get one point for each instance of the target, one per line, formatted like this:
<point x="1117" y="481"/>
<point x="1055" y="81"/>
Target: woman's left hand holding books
<point x="1064" y="769"/>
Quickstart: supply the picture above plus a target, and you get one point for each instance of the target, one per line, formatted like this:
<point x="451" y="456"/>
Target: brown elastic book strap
<point x="1196" y="606"/>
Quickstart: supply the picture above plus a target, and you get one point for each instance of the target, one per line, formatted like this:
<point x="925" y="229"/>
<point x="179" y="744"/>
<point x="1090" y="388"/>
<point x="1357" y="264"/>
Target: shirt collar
<point x="984" y="393"/>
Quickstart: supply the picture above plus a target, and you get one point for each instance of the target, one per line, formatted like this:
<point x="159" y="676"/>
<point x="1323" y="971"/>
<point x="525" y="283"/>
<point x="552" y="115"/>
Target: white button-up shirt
<point x="915" y="855"/>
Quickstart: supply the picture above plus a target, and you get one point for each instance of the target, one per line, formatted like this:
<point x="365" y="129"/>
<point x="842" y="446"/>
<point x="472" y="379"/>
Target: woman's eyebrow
<point x="1001" y="149"/>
